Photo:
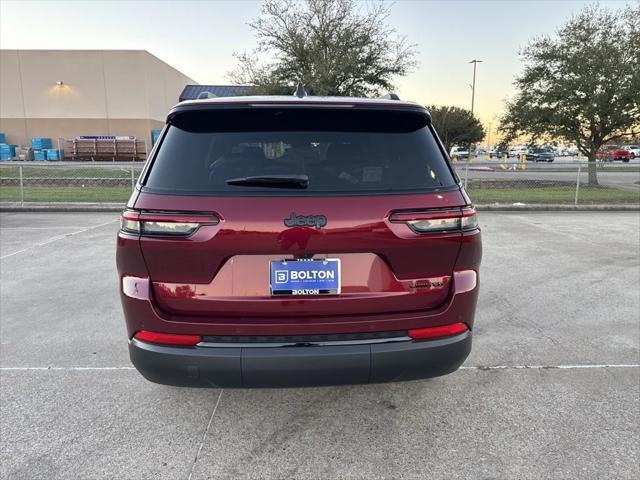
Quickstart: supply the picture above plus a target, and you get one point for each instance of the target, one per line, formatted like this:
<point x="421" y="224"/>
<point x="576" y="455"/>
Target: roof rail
<point x="391" y="96"/>
<point x="206" y="94"/>
<point x="300" y="91"/>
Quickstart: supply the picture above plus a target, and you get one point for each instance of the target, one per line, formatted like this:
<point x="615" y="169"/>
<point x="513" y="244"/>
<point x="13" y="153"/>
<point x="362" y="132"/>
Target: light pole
<point x="473" y="87"/>
<point x="473" y="94"/>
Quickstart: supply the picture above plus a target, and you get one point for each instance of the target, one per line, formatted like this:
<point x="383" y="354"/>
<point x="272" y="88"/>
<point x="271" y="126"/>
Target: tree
<point x="582" y="85"/>
<point x="456" y="125"/>
<point x="333" y="46"/>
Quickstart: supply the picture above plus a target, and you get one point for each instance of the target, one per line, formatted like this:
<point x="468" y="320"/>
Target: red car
<point x="610" y="153"/>
<point x="285" y="241"/>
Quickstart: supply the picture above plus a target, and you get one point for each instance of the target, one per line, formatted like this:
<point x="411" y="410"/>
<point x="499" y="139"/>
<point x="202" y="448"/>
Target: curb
<point x="495" y="207"/>
<point x="505" y="207"/>
<point x="61" y="207"/>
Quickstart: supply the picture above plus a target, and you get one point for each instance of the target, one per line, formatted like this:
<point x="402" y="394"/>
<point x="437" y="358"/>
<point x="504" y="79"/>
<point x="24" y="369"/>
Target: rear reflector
<point x="436" y="332"/>
<point x="168" y="338"/>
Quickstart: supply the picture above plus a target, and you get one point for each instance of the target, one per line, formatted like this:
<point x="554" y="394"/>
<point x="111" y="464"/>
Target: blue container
<point x="52" y="154"/>
<point x="39" y="155"/>
<point x="2" y="137"/>
<point x="40" y="143"/>
<point x="155" y="134"/>
<point x="7" y="152"/>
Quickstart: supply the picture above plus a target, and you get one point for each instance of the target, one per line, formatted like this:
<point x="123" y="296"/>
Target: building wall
<point x="110" y="92"/>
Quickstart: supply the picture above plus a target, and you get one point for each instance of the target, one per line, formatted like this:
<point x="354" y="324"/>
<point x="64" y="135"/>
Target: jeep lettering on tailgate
<point x="317" y="221"/>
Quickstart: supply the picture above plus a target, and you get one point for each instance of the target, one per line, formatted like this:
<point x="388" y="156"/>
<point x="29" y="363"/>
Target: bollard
<point x="522" y="160"/>
<point x="21" y="187"/>
<point x="575" y="202"/>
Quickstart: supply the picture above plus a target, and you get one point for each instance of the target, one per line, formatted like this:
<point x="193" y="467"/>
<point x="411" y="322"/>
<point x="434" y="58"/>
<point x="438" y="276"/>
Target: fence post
<point x="21" y="187"/>
<point x="133" y="181"/>
<point x="578" y="184"/>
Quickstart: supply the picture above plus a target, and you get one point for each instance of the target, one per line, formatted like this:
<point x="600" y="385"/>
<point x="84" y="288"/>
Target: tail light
<point x="432" y="221"/>
<point x="438" y="332"/>
<point x="168" y="338"/>
<point x="165" y="223"/>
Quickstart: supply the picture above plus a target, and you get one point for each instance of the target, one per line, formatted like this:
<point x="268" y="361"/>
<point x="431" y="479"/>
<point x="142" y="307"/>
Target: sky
<point x="199" y="38"/>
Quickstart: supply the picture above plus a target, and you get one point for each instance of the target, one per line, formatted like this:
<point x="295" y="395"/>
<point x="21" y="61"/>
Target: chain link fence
<point x="563" y="183"/>
<point x="26" y="183"/>
<point x="487" y="182"/>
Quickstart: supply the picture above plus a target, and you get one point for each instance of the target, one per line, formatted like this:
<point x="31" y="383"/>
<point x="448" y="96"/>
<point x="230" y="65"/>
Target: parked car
<point x="611" y="153"/>
<point x="573" y="151"/>
<point x="540" y="155"/>
<point x="499" y="153"/>
<point x="458" y="153"/>
<point x="518" y="150"/>
<point x="281" y="241"/>
<point x="634" y="150"/>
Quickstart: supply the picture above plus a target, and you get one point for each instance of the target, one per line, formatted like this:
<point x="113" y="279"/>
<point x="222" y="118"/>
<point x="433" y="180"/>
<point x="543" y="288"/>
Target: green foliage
<point x="335" y="47"/>
<point x="456" y="125"/>
<point x="583" y="84"/>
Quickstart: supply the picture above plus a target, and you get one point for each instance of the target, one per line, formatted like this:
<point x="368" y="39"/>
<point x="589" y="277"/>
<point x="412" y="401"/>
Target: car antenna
<point x="300" y="91"/>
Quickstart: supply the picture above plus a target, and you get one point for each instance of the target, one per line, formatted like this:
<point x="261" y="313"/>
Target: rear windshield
<point x="339" y="151"/>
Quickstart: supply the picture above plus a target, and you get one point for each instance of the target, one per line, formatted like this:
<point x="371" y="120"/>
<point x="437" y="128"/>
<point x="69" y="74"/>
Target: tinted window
<point x="339" y="150"/>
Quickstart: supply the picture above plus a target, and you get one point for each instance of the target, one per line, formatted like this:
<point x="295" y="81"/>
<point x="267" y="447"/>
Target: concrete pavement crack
<point x="204" y="436"/>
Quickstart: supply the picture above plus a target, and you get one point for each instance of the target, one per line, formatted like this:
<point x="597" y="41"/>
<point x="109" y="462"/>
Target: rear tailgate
<point x="353" y="166"/>
<point x="224" y="269"/>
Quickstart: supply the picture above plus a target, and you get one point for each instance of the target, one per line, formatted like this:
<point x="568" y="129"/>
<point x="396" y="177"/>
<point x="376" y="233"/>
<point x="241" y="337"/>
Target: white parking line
<point x="544" y="367"/>
<point x="66" y="227"/>
<point x="65" y="368"/>
<point x="476" y="367"/>
<point x="58" y="237"/>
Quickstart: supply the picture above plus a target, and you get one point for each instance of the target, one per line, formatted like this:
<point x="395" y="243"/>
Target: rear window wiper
<point x="273" y="181"/>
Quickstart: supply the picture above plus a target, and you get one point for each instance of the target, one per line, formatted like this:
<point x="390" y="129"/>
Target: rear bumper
<point x="299" y="366"/>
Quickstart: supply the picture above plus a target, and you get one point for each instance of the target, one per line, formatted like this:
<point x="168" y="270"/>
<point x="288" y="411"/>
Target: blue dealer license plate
<point x="305" y="277"/>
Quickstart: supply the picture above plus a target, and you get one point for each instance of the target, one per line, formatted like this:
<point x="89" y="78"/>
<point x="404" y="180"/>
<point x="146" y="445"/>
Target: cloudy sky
<point x="199" y="38"/>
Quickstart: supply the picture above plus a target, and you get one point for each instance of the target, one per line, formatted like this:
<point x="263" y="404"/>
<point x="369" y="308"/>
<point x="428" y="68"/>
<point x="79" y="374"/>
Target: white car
<point x="459" y="152"/>
<point x="634" y="150"/>
<point x="518" y="150"/>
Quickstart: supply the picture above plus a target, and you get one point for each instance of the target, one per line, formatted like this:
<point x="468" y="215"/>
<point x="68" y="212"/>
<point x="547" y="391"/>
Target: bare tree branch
<point x="336" y="47"/>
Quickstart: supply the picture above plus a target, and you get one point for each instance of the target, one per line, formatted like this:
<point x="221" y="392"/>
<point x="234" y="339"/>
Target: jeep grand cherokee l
<point x="283" y="241"/>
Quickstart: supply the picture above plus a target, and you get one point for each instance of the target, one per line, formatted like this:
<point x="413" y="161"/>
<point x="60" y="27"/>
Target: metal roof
<point x="191" y="92"/>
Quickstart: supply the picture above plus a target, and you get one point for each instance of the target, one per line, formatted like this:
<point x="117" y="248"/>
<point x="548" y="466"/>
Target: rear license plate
<point x="305" y="277"/>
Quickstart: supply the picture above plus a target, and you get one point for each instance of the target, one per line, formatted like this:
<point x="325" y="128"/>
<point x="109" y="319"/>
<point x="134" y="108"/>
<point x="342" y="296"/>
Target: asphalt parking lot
<point x="551" y="389"/>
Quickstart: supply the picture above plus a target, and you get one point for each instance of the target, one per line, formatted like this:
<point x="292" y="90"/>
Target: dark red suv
<point x="285" y="241"/>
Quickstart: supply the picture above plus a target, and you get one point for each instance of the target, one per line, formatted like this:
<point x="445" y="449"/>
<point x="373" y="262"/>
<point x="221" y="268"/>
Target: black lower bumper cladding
<point x="299" y="366"/>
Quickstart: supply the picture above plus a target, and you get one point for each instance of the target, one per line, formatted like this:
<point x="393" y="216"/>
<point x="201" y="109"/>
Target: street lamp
<point x="473" y="86"/>
<point x="473" y="94"/>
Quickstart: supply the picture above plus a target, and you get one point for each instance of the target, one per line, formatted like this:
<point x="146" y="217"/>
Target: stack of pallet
<point x="42" y="149"/>
<point x="101" y="148"/>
